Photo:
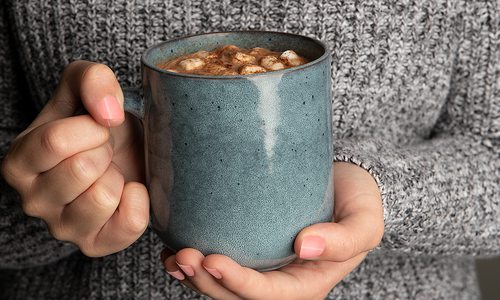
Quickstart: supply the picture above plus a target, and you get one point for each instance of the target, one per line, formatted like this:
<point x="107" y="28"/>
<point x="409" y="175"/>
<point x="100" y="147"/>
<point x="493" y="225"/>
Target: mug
<point x="237" y="165"/>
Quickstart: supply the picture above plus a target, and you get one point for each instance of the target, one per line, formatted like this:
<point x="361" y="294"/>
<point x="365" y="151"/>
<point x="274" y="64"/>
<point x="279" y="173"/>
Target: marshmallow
<point x="257" y="51"/>
<point x="251" y="69"/>
<point x="228" y="50"/>
<point x="291" y="58"/>
<point x="242" y="58"/>
<point x="271" y="63"/>
<point x="191" y="64"/>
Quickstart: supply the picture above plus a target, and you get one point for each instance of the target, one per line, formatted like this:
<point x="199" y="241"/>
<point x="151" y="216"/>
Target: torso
<point x="391" y="65"/>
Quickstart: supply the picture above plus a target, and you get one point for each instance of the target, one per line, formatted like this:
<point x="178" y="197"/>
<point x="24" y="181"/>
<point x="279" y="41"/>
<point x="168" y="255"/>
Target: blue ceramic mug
<point x="237" y="165"/>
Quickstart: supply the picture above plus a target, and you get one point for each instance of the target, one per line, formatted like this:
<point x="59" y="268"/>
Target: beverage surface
<point x="233" y="60"/>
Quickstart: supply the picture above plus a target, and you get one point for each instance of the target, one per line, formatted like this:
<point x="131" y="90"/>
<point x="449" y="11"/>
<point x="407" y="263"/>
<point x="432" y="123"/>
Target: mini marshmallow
<point x="242" y="58"/>
<point x="251" y="69"/>
<point x="191" y="64"/>
<point x="257" y="51"/>
<point x="291" y="58"/>
<point x="228" y="50"/>
<point x="271" y="63"/>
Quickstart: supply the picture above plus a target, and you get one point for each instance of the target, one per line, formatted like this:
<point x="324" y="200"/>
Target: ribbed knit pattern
<point x="415" y="102"/>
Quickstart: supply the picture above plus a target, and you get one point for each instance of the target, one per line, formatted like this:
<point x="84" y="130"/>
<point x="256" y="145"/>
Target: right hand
<point x="82" y="174"/>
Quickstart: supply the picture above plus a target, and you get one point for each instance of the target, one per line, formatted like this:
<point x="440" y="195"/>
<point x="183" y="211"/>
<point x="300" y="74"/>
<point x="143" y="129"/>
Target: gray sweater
<point x="415" y="100"/>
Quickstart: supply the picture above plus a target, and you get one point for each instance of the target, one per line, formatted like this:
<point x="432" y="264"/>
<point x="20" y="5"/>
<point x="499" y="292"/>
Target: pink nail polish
<point x="214" y="272"/>
<point x="110" y="109"/>
<point x="188" y="270"/>
<point x="312" y="246"/>
<point x="177" y="275"/>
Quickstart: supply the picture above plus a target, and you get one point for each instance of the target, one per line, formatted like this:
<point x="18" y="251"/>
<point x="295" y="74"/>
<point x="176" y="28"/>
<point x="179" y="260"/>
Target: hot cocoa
<point x="233" y="60"/>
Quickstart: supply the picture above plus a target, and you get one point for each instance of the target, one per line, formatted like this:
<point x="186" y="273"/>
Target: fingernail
<point x="186" y="269"/>
<point x="214" y="272"/>
<point x="177" y="275"/>
<point x="110" y="109"/>
<point x="312" y="246"/>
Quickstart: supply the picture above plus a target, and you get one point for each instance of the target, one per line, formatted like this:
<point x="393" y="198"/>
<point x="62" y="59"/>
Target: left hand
<point x="326" y="252"/>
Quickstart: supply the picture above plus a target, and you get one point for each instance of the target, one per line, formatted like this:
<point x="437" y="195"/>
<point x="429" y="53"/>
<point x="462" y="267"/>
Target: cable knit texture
<point x="415" y="102"/>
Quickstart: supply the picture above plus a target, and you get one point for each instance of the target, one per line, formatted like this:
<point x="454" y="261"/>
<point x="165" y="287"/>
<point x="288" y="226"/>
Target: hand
<point x="74" y="172"/>
<point x="326" y="252"/>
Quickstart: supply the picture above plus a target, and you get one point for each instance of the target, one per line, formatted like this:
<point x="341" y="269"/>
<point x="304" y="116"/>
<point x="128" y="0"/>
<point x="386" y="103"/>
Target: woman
<point x="415" y="99"/>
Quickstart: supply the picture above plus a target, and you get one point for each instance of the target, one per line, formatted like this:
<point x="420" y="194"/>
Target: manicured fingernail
<point x="177" y="275"/>
<point x="110" y="109"/>
<point x="312" y="246"/>
<point x="214" y="272"/>
<point x="188" y="270"/>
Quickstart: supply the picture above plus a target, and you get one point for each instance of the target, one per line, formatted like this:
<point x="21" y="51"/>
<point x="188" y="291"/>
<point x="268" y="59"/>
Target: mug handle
<point x="134" y="102"/>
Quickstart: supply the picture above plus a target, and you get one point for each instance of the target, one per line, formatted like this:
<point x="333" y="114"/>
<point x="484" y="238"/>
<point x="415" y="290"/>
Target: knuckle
<point x="58" y="232"/>
<point x="82" y="168"/>
<point x="352" y="247"/>
<point x="31" y="207"/>
<point x="136" y="223"/>
<point x="9" y="171"/>
<point x="103" y="198"/>
<point x="88" y="248"/>
<point x="52" y="139"/>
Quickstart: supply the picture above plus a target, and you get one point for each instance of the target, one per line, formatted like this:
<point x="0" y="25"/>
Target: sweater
<point x="415" y="95"/>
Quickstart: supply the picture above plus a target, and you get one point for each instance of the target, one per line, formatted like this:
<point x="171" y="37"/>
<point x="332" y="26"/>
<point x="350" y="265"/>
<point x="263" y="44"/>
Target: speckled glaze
<point x="238" y="165"/>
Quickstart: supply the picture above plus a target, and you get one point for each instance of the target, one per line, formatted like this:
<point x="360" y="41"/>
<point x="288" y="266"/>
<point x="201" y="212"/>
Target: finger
<point x="247" y="283"/>
<point x="92" y="84"/>
<point x="73" y="176"/>
<point x="87" y="214"/>
<point x="173" y="270"/>
<point x="46" y="146"/>
<point x="127" y="223"/>
<point x="300" y="279"/>
<point x="190" y="262"/>
<point x="317" y="278"/>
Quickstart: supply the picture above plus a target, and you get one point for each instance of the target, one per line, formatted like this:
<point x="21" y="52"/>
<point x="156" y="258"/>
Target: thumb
<point x="101" y="94"/>
<point x="359" y="219"/>
<point x="89" y="84"/>
<point x="340" y="241"/>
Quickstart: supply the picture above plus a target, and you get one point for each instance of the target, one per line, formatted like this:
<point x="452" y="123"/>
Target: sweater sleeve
<point x="24" y="241"/>
<point x="441" y="196"/>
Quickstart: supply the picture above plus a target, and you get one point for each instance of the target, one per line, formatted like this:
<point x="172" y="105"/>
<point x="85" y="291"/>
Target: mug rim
<point x="318" y="60"/>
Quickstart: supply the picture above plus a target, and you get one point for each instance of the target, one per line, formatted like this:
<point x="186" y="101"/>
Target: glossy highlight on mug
<point x="269" y="101"/>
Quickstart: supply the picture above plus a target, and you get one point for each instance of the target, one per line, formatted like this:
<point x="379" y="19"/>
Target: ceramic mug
<point x="237" y="165"/>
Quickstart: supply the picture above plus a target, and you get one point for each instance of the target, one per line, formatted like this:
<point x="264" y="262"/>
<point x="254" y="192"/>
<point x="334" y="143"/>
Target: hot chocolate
<point x="233" y="60"/>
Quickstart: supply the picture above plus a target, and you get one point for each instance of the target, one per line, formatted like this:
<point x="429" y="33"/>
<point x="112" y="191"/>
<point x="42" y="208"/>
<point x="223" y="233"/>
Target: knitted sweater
<point x="415" y="102"/>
